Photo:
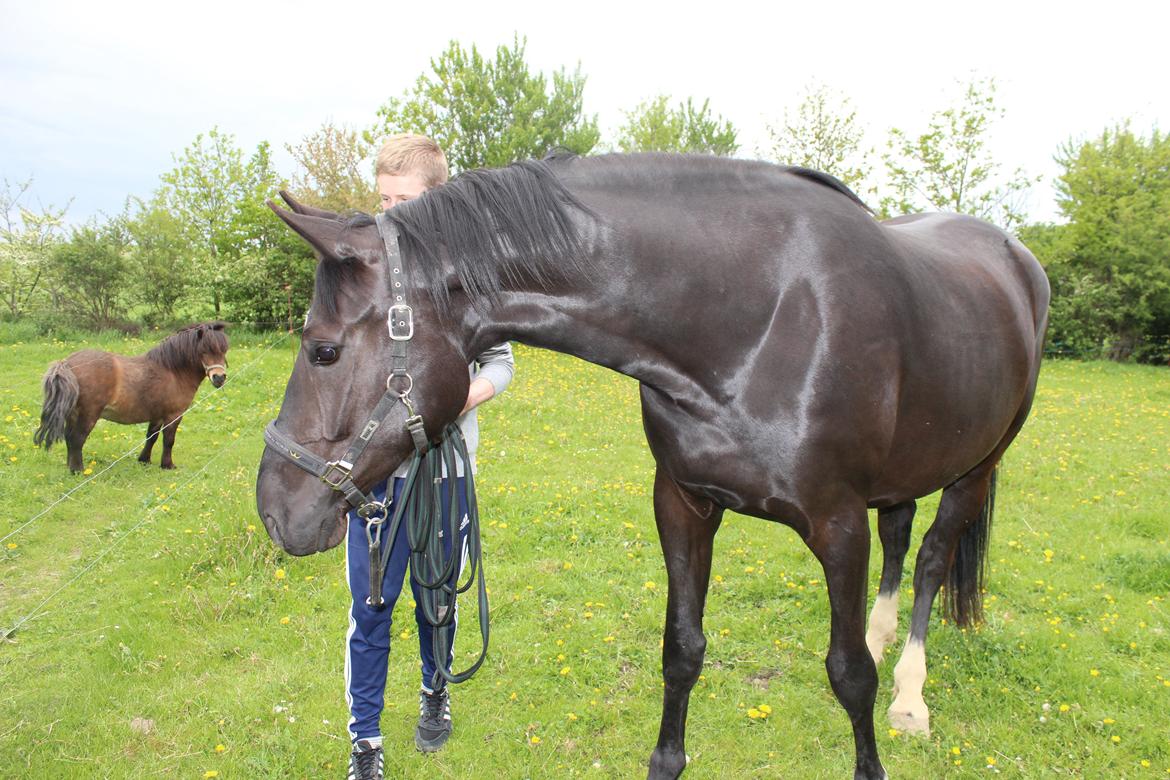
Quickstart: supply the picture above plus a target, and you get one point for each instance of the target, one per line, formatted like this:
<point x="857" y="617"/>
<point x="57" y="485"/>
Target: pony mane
<point x="493" y="226"/>
<point x="181" y="349"/>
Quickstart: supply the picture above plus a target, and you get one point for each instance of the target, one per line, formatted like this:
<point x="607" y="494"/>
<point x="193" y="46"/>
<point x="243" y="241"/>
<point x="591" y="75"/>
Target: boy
<point x="407" y="166"/>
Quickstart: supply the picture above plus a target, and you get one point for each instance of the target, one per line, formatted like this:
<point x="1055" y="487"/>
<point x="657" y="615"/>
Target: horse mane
<point x="181" y="349"/>
<point x="829" y="181"/>
<point x="493" y="225"/>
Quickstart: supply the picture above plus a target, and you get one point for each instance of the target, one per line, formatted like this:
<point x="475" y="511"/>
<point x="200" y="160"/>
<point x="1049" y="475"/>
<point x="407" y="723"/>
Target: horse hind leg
<point x="841" y="543"/>
<point x="686" y="531"/>
<point x="76" y="432"/>
<point x="894" y="525"/>
<point x="955" y="545"/>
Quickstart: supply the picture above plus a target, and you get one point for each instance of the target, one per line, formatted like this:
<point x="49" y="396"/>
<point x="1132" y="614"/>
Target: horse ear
<point x="321" y="233"/>
<point x="301" y="208"/>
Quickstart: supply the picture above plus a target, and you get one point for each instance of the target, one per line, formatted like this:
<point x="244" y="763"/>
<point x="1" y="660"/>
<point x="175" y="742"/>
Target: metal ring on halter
<point x="409" y="384"/>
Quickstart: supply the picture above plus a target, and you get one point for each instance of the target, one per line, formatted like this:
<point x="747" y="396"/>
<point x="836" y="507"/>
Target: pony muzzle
<point x="217" y="373"/>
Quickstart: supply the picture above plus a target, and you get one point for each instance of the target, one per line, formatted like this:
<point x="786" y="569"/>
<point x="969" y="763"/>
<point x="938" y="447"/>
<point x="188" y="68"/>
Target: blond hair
<point x="408" y="153"/>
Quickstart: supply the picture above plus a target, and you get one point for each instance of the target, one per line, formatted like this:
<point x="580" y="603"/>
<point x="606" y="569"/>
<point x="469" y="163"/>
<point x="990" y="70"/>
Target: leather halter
<point x="338" y="474"/>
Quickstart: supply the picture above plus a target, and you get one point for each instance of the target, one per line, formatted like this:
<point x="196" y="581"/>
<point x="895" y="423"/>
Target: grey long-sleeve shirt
<point x="496" y="365"/>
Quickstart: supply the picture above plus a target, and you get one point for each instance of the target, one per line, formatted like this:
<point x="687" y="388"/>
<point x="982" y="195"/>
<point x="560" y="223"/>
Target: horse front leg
<point x="152" y="429"/>
<point x="686" y="531"/>
<point x="894" y="525"/>
<point x="841" y="544"/>
<point x="169" y="443"/>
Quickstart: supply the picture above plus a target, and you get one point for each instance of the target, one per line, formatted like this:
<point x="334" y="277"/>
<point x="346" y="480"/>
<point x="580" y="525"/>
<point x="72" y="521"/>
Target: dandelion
<point x="535" y="740"/>
<point x="284" y="621"/>
<point x="1094" y="673"/>
<point x="1064" y="708"/>
<point x="12" y="545"/>
<point x="210" y="773"/>
<point x="564" y="671"/>
<point x="649" y="585"/>
<point x="220" y="748"/>
<point x="755" y="714"/>
<point x="894" y="733"/>
<point x="280" y="574"/>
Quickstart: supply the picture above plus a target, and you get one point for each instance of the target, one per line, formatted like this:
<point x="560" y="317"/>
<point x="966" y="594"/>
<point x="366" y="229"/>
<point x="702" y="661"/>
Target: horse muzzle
<point x="300" y="517"/>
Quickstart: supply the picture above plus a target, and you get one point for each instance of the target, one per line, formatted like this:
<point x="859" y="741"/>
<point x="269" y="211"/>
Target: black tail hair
<point x="964" y="592"/>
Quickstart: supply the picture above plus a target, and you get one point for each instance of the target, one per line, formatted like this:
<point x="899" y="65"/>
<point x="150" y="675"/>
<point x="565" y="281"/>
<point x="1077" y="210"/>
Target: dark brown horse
<point x="155" y="388"/>
<point x="799" y="362"/>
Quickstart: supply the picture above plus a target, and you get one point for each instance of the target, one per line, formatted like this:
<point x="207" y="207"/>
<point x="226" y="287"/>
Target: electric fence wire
<point x="231" y="377"/>
<point x="5" y="634"/>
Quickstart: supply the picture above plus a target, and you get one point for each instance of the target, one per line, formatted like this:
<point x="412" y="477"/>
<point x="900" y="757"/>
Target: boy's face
<point x="399" y="189"/>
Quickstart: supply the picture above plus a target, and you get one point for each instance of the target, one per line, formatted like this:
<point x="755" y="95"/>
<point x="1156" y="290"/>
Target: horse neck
<point x="595" y="318"/>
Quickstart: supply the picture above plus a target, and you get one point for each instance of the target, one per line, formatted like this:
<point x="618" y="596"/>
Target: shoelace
<point x="433" y="706"/>
<point x="366" y="763"/>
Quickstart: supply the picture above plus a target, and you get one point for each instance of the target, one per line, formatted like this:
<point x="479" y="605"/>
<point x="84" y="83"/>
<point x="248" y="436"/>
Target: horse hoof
<point x="909" y="722"/>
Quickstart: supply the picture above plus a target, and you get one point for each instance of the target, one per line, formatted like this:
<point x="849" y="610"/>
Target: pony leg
<point x="894" y="530"/>
<point x="169" y="443"/>
<point x="686" y="531"/>
<point x="76" y="432"/>
<point x="841" y="544"/>
<point x="961" y="506"/>
<point x="152" y="429"/>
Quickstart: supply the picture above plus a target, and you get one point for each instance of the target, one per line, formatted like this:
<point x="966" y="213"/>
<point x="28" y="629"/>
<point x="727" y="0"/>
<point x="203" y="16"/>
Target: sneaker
<point x="365" y="762"/>
<point x="434" y="720"/>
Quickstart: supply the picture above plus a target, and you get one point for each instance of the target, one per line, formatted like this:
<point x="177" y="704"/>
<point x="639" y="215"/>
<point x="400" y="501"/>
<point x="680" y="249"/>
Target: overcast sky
<point x="96" y="97"/>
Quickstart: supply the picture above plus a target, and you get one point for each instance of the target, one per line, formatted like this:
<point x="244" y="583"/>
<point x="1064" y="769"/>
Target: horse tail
<point x="964" y="591"/>
<point x="61" y="394"/>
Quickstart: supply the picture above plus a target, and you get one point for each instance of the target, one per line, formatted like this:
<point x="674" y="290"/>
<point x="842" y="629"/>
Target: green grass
<point x="232" y="651"/>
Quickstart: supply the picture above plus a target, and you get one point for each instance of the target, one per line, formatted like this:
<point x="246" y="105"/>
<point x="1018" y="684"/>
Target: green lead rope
<point x="432" y="567"/>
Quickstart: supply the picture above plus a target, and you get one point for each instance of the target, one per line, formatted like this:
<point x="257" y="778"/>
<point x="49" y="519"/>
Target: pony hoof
<point x="909" y="722"/>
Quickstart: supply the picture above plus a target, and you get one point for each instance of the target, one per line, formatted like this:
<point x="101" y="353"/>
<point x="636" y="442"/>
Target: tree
<point x="161" y="267"/>
<point x="488" y="113"/>
<point x="1115" y="192"/>
<point x="655" y="127"/>
<point x="27" y="240"/>
<point x="824" y="135"/>
<point x="206" y="191"/>
<point x="948" y="167"/>
<point x="335" y="170"/>
<point x="90" y="270"/>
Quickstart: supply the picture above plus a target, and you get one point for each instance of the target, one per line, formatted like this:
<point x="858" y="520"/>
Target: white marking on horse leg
<point x="908" y="711"/>
<point x="883" y="625"/>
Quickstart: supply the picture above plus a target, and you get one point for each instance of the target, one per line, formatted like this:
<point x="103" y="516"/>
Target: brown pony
<point x="155" y="388"/>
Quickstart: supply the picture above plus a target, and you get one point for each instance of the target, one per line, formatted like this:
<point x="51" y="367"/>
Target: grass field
<point x="176" y="641"/>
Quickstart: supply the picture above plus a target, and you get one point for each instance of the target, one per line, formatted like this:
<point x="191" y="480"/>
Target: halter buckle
<point x="342" y="469"/>
<point x="400" y="322"/>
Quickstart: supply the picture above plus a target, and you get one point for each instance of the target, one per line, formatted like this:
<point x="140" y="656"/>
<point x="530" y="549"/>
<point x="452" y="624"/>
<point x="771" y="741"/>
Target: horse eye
<point x="325" y="354"/>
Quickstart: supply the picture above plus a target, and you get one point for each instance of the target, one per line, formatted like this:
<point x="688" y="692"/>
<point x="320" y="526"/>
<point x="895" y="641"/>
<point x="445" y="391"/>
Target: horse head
<point x="212" y="346"/>
<point x="342" y="371"/>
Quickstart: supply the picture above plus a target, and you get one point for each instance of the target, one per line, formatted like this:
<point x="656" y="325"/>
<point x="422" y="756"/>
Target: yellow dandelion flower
<point x="649" y="585"/>
<point x="280" y="574"/>
<point x="564" y="671"/>
<point x="1064" y="708"/>
<point x="284" y="621"/>
<point x="1094" y="673"/>
<point x="535" y="740"/>
<point x="220" y="748"/>
<point x="755" y="714"/>
<point x="1115" y="739"/>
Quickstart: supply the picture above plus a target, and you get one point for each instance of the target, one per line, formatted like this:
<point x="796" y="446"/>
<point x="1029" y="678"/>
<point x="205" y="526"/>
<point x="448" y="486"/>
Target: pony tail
<point x="61" y="393"/>
<point x="964" y="591"/>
